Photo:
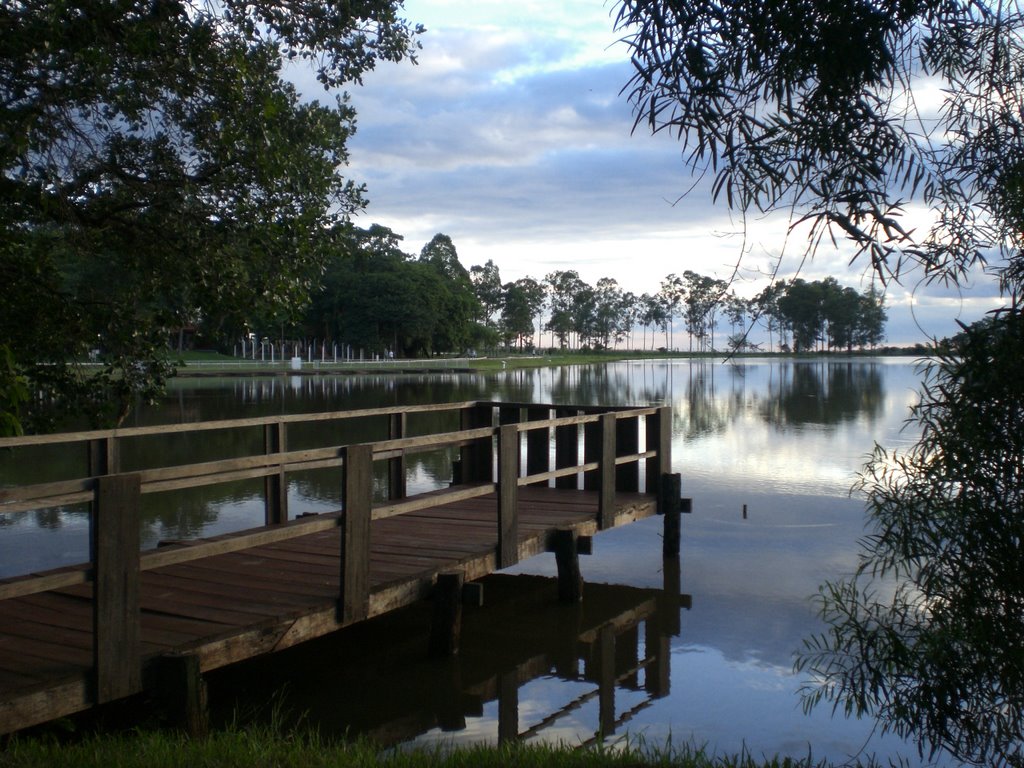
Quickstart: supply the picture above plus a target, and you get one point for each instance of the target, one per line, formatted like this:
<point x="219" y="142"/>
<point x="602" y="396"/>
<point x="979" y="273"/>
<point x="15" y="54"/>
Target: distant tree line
<point x="379" y="299"/>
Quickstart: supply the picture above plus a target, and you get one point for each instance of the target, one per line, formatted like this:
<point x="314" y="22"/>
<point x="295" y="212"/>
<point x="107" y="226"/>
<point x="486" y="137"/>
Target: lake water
<point x="782" y="438"/>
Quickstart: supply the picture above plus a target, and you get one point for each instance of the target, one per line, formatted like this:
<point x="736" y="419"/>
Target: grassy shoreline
<point x="208" y="363"/>
<point x="269" y="748"/>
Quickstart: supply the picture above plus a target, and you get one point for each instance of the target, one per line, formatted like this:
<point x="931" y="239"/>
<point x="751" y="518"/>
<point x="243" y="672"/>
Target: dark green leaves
<point x="157" y="172"/>
<point x="823" y="109"/>
<point x="928" y="636"/>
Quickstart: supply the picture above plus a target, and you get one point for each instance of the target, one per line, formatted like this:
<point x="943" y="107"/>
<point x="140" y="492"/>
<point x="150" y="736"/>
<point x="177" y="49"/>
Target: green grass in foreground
<point x="267" y="748"/>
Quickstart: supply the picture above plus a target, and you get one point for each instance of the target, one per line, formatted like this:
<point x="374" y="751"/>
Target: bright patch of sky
<point x="512" y="136"/>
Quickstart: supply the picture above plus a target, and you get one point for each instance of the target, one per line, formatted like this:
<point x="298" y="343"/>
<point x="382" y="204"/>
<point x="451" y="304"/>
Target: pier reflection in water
<point x="529" y="668"/>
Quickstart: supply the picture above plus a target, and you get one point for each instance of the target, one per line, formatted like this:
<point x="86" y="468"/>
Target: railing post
<point x="592" y="447"/>
<point x="606" y="473"/>
<point x="509" y="414"/>
<point x="627" y="443"/>
<point x="508" y="494"/>
<point x="567" y="448"/>
<point x="659" y="438"/>
<point x="275" y="487"/>
<point x="397" y="426"/>
<point x="476" y="459"/>
<point x="538" y="444"/>
<point x="104" y="456"/>
<point x="116" y="626"/>
<point x="357" y="494"/>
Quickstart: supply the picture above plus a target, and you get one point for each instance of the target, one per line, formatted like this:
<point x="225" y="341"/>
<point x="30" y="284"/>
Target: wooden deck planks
<point x="243" y="603"/>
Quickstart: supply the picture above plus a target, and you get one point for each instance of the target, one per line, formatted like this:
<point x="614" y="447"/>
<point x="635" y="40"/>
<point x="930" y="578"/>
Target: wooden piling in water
<point x="570" y="579"/>
<point x="446" y="627"/>
<point x="670" y="506"/>
<point x="182" y="694"/>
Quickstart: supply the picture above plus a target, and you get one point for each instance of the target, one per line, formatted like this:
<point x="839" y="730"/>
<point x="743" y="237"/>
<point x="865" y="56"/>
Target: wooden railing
<point x="491" y="449"/>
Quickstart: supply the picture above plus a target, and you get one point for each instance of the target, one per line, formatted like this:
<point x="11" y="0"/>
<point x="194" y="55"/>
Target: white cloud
<point x="512" y="136"/>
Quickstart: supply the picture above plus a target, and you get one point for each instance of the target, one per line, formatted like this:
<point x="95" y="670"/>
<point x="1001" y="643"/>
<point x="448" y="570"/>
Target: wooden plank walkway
<point x="233" y="597"/>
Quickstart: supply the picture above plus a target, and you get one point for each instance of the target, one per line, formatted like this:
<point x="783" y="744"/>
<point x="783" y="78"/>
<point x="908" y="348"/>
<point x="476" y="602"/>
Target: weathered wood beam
<point x="116" y="614"/>
<point x="355" y="533"/>
<point x="606" y="474"/>
<point x="508" y="496"/>
<point x="275" y="486"/>
<point x="397" y="428"/>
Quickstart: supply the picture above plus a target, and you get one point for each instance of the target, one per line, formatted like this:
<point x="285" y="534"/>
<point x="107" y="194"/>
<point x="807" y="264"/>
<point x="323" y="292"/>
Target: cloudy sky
<point x="512" y="137"/>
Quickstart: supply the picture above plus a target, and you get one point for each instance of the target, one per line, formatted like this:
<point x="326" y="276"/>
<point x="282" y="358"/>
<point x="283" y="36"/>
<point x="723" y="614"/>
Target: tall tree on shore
<point x="459" y="306"/>
<point x="518" y="311"/>
<point x="671" y="295"/>
<point x="487" y="283"/>
<point x="563" y="286"/>
<point x="157" y="168"/>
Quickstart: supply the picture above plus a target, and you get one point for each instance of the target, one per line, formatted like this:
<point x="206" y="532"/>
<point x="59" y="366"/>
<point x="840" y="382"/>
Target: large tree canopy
<point x="929" y="636"/>
<point x="846" y="113"/>
<point x="158" y="169"/>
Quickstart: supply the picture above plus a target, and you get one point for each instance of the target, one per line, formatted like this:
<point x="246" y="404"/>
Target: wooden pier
<point x="529" y="478"/>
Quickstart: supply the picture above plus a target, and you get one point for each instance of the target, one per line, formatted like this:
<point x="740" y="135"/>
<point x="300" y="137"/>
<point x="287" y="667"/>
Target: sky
<point x="512" y="136"/>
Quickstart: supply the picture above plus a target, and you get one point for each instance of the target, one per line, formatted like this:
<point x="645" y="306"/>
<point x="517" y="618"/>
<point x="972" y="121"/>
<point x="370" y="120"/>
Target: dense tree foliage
<point x="929" y="636"/>
<point x="824" y="312"/>
<point x="815" y="109"/>
<point x="459" y="310"/>
<point x="381" y="300"/>
<point x="157" y="170"/>
<point x="845" y="115"/>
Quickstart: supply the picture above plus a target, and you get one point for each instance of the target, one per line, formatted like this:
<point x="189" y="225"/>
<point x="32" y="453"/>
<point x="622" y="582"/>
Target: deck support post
<point x="567" y="557"/>
<point x="275" y="487"/>
<point x="446" y="628"/>
<point x="116" y="616"/>
<point x="397" y="427"/>
<point x="670" y="505"/>
<point x="182" y="693"/>
<point x="508" y="496"/>
<point x="606" y="490"/>
<point x="354" y="604"/>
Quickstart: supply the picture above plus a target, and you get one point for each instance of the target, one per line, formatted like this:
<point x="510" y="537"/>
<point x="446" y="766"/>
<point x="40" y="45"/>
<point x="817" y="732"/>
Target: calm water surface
<point x="783" y="438"/>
